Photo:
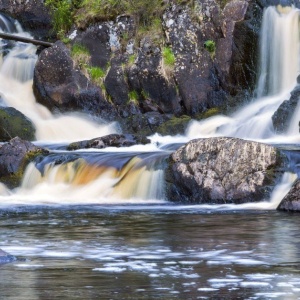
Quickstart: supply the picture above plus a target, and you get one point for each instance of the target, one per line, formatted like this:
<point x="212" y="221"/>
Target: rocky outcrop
<point x="223" y="170"/>
<point x="61" y="87"/>
<point x="111" y="140"/>
<point x="13" y="123"/>
<point x="32" y="14"/>
<point x="283" y="115"/>
<point x="14" y="156"/>
<point x="291" y="202"/>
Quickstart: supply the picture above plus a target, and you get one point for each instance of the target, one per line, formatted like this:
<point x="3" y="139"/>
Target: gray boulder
<point x="291" y="202"/>
<point x="223" y="170"/>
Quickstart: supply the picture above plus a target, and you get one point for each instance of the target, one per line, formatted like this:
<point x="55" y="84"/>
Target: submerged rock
<point x="13" y="123"/>
<point x="111" y="140"/>
<point x="223" y="170"/>
<point x="291" y="202"/>
<point x="6" y="257"/>
<point x="14" y="157"/>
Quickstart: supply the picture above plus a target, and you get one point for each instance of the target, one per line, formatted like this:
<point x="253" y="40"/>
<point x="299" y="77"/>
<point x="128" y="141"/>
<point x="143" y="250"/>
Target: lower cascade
<point x="136" y="174"/>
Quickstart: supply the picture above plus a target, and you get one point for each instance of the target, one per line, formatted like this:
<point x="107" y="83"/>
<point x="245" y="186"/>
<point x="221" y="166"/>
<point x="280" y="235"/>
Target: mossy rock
<point x="13" y="123"/>
<point x="208" y="113"/>
<point x="174" y="126"/>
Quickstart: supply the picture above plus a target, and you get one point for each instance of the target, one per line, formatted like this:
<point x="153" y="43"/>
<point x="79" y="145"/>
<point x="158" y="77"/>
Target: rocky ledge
<point x="291" y="202"/>
<point x="223" y="170"/>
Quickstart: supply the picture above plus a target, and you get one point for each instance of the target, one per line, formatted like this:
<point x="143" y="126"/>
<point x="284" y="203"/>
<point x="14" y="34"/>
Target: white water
<point x="278" y="72"/>
<point x="16" y="73"/>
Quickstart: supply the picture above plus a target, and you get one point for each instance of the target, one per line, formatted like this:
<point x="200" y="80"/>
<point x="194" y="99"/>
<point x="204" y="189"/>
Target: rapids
<point x="135" y="174"/>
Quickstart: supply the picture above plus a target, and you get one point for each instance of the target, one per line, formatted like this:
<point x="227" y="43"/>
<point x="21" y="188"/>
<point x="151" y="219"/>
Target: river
<point x="149" y="252"/>
<point x="97" y="224"/>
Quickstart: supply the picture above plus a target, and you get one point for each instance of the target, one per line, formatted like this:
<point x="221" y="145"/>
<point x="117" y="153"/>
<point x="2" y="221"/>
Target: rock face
<point x="61" y="87"/>
<point x="223" y="170"/>
<point x="139" y="85"/>
<point x="32" y="14"/>
<point x="291" y="202"/>
<point x="13" y="123"/>
<point x="14" y="156"/>
<point x="111" y="140"/>
<point x="283" y="115"/>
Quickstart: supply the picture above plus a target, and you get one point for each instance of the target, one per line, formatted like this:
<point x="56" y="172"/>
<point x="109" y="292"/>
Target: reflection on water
<point x="117" y="253"/>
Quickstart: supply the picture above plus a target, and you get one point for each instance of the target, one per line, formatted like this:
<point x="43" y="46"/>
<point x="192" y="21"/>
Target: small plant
<point x="210" y="46"/>
<point x="131" y="59"/>
<point x="78" y="49"/>
<point x="96" y="74"/>
<point x="168" y="57"/>
<point x="61" y="12"/>
<point x="133" y="96"/>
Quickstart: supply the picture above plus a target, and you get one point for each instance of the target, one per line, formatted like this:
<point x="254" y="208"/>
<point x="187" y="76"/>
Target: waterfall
<point x="279" y="67"/>
<point x="16" y="73"/>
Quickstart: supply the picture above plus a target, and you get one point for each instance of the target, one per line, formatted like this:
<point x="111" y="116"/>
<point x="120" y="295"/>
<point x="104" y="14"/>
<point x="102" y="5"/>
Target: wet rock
<point x="174" y="126"/>
<point x="32" y="14"/>
<point x="14" y="157"/>
<point x="61" y="87"/>
<point x="291" y="202"/>
<point x="283" y="115"/>
<point x="13" y="123"/>
<point x="6" y="257"/>
<point x="111" y="140"/>
<point x="223" y="170"/>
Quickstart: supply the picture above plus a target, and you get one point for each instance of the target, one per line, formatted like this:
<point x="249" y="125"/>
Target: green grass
<point x="168" y="57"/>
<point x="96" y="74"/>
<point x="210" y="46"/>
<point x="78" y="49"/>
<point x="133" y="96"/>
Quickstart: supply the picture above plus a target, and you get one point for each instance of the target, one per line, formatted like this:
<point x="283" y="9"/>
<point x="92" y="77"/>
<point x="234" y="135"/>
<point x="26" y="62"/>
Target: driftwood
<point x="17" y="38"/>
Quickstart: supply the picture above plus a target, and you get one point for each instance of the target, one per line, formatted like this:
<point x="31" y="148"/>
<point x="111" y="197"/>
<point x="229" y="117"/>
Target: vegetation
<point x="168" y="57"/>
<point x="133" y="96"/>
<point x="96" y="74"/>
<point x="210" y="46"/>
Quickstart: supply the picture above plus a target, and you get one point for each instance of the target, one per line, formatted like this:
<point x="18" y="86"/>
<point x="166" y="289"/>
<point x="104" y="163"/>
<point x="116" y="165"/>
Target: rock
<point x="223" y="170"/>
<point x="96" y="40"/>
<point x="13" y="123"/>
<point x="32" y="14"/>
<point x="14" y="156"/>
<point x="6" y="257"/>
<point x="291" y="202"/>
<point x="111" y="140"/>
<point x="61" y="87"/>
<point x="174" y="126"/>
<point x="283" y="115"/>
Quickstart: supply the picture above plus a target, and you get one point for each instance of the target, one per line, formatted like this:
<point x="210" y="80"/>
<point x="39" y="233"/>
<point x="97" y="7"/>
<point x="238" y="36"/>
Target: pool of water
<point x="145" y="252"/>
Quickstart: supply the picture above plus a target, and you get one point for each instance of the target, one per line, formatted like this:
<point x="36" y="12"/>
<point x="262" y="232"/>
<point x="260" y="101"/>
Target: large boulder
<point x="14" y="157"/>
<point x="291" y="202"/>
<point x="223" y="170"/>
<point x="58" y="85"/>
<point x="13" y="123"/>
<point x="32" y="14"/>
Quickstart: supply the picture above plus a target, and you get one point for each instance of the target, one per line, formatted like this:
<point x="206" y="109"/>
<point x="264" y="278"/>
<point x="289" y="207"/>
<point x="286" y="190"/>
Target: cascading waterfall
<point x="279" y="67"/>
<point x="16" y="73"/>
<point x="128" y="176"/>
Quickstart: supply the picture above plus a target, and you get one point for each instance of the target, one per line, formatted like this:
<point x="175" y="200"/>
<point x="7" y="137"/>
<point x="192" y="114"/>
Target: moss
<point x="168" y="57"/>
<point x="174" y="126"/>
<point x="208" y="113"/>
<point x="210" y="46"/>
<point x="133" y="96"/>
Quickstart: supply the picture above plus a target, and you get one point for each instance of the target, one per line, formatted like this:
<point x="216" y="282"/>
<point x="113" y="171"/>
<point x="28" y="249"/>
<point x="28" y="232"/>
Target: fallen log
<point x="18" y="38"/>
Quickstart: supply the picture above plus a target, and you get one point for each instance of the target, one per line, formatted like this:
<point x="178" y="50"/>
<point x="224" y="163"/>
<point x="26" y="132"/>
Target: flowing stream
<point x="98" y="225"/>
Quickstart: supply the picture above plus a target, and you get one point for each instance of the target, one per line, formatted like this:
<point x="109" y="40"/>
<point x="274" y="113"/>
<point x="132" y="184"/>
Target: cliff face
<point x="198" y="57"/>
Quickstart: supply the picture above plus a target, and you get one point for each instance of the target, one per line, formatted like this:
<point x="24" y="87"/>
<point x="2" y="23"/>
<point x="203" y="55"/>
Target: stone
<point x="111" y="140"/>
<point x="13" y="123"/>
<point x="58" y="85"/>
<point x="291" y="202"/>
<point x="6" y="257"/>
<point x="14" y="157"/>
<point x="223" y="170"/>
